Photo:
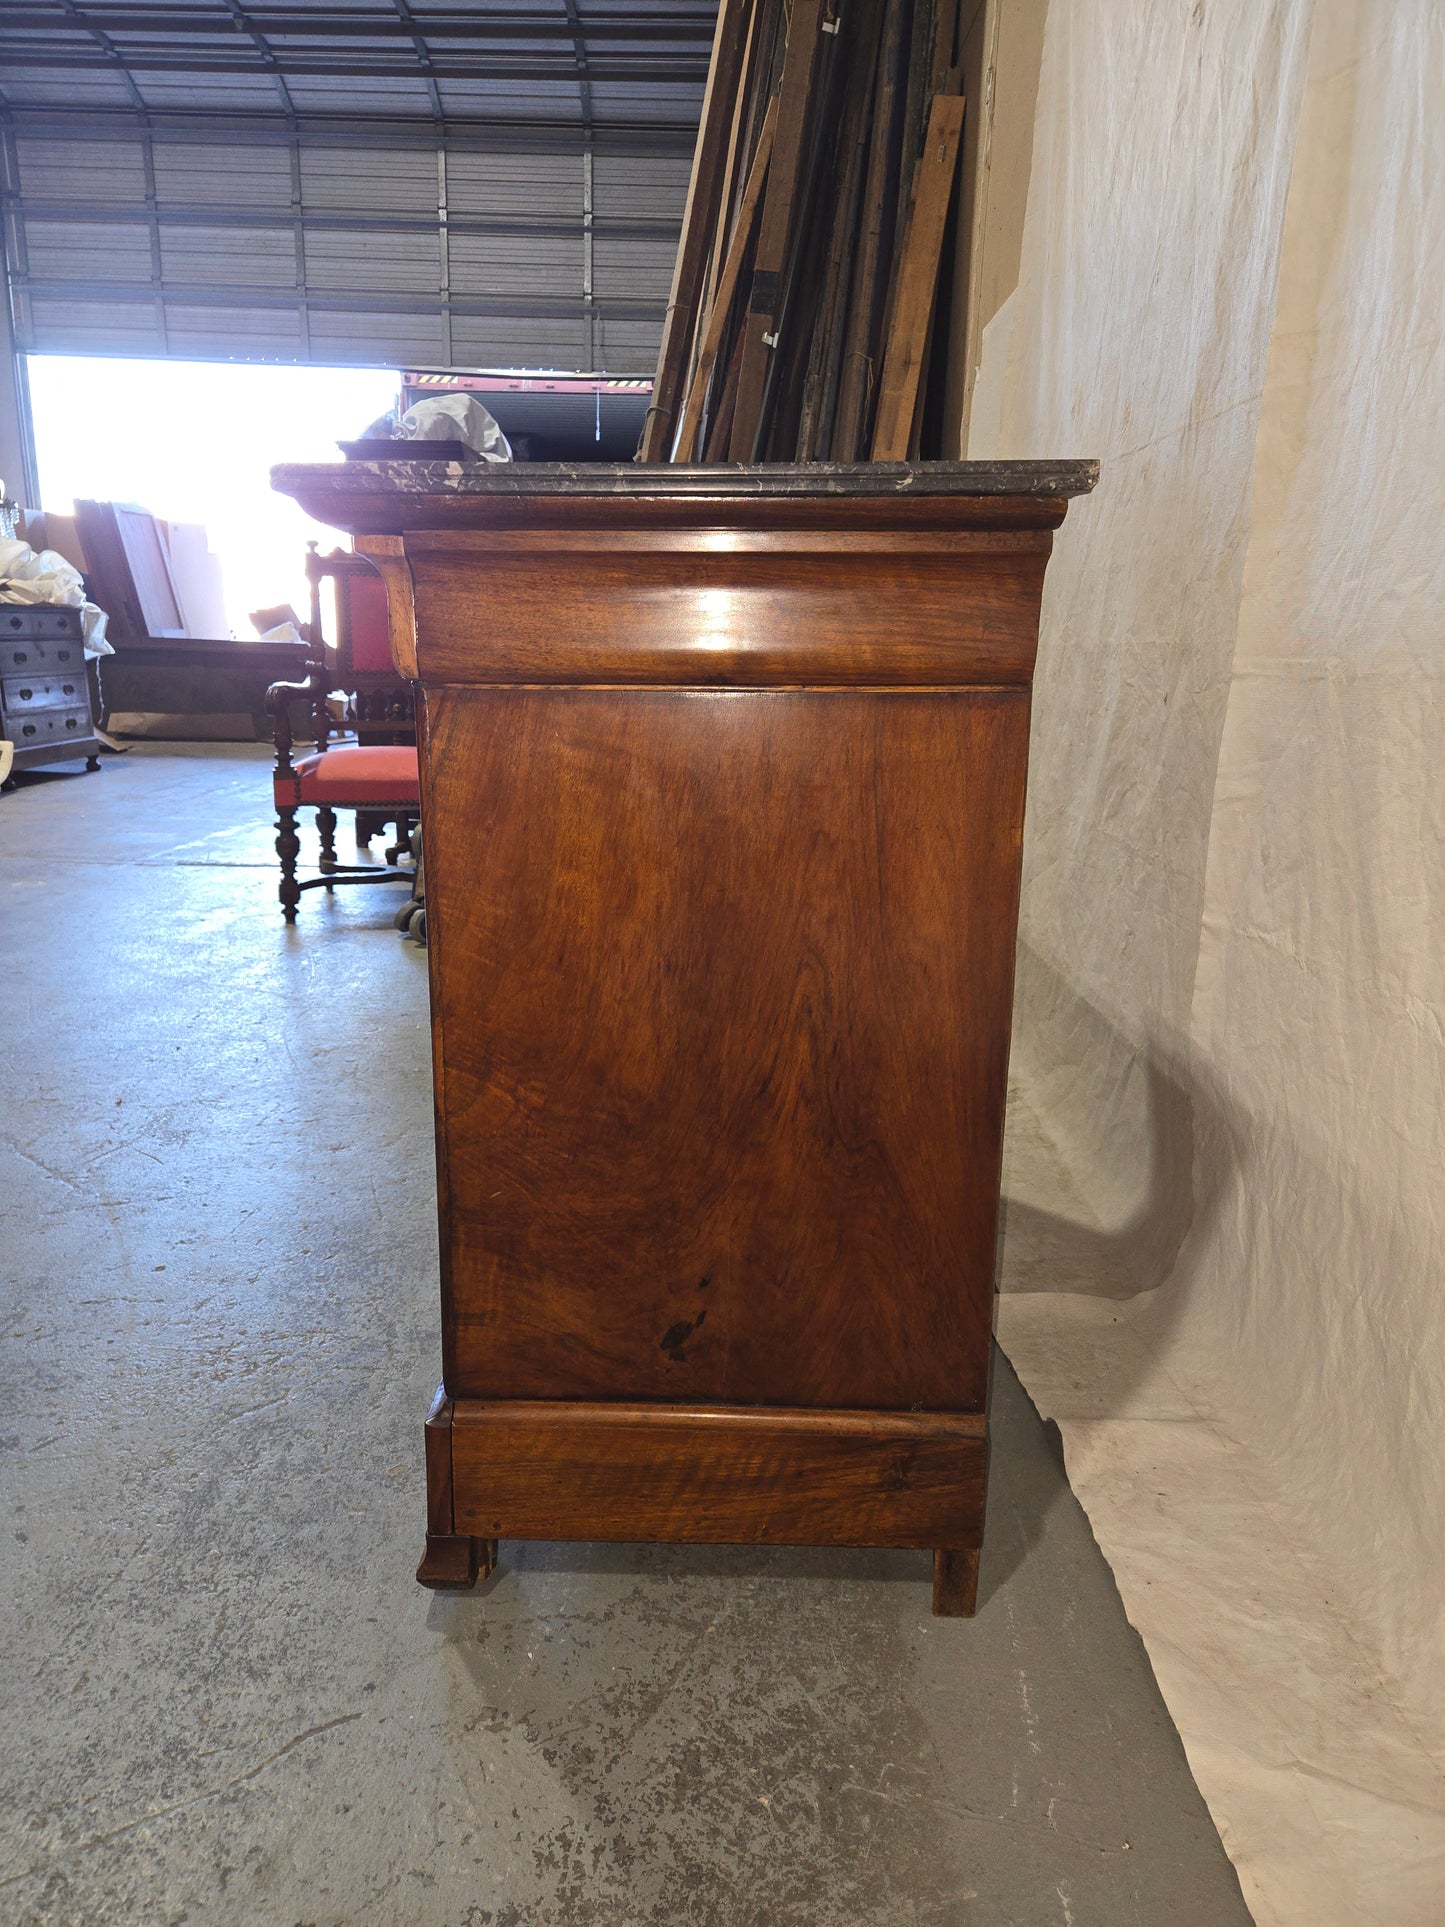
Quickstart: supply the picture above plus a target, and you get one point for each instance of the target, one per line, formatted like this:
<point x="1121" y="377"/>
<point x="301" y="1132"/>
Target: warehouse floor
<point x="224" y="1697"/>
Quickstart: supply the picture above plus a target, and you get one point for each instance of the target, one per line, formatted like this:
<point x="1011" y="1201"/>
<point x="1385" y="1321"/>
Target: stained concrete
<point x="224" y="1697"/>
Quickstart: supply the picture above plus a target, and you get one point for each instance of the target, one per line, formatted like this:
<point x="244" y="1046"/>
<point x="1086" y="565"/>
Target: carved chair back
<point x="379" y="702"/>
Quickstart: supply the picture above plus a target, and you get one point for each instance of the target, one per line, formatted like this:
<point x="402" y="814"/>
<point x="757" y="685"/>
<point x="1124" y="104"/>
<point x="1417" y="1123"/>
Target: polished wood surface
<point x="731" y="1126"/>
<point x="955" y="1582"/>
<point x="722" y="796"/>
<point x="453" y="1560"/>
<point x="761" y="610"/>
<point x="561" y="1470"/>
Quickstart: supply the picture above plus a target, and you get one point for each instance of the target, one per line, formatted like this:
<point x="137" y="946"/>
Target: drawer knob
<point x="29" y="729"/>
<point x="26" y="694"/>
<point x="69" y="688"/>
<point x="70" y="722"/>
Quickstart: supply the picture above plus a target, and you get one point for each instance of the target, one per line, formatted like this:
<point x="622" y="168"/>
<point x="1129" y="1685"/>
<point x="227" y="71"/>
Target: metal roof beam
<point x="328" y="25"/>
<point x="476" y="133"/>
<point x="181" y="294"/>
<point x="562" y="227"/>
<point x="638" y="69"/>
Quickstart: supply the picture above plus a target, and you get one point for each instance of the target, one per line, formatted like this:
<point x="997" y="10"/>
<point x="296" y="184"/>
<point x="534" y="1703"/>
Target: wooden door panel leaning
<point x="723" y="791"/>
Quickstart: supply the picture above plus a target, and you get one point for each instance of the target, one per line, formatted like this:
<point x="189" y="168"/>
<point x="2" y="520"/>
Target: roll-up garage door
<point x="405" y="203"/>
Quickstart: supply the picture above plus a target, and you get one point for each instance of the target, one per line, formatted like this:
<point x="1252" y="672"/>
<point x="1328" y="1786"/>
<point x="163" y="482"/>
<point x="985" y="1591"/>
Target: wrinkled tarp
<point x="1226" y="1162"/>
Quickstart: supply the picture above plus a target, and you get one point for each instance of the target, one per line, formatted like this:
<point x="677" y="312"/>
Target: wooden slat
<point x="821" y="385"/>
<point x="756" y="89"/>
<point x="721" y="425"/>
<point x="945" y="28"/>
<point x="698" y="222"/>
<point x="735" y="166"/>
<point x="796" y="316"/>
<point x="717" y="321"/>
<point x="775" y="231"/>
<point x="917" y="92"/>
<point x="741" y="142"/>
<point x="874" y="248"/>
<point x="917" y="280"/>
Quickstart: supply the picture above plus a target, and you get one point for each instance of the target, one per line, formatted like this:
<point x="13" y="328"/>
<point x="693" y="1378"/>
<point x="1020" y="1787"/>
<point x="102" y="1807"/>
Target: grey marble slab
<point x="370" y="480"/>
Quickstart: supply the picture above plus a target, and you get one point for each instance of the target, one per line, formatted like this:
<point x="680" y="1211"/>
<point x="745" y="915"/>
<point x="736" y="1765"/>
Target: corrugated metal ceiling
<point x="358" y="180"/>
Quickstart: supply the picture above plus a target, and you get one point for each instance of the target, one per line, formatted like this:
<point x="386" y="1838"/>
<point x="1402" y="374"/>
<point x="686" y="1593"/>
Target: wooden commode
<point x="722" y="795"/>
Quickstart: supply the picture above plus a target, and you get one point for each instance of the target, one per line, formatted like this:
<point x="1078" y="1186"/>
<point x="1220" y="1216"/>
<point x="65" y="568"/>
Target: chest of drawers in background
<point x="45" y="692"/>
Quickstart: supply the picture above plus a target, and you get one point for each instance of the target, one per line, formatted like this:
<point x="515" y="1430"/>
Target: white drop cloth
<point x="1226" y="1168"/>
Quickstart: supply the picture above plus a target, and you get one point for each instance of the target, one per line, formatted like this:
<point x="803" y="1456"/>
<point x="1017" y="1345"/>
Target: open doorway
<point x="194" y="442"/>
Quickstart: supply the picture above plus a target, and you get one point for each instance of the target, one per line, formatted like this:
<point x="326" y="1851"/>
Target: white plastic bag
<point x="47" y="577"/>
<point x="447" y="418"/>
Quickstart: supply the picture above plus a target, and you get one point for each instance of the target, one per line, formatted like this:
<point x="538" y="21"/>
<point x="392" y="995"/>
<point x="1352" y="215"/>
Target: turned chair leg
<point x="955" y="1584"/>
<point x="326" y="828"/>
<point x="288" y="848"/>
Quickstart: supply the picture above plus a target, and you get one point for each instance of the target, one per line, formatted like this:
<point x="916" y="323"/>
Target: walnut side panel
<point x="722" y="986"/>
<point x="758" y="1477"/>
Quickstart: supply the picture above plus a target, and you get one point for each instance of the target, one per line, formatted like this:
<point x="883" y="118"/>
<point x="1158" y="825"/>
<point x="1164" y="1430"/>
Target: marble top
<point x="363" y="480"/>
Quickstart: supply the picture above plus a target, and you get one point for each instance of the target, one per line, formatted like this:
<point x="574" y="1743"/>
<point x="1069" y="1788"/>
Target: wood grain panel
<point x="742" y="618"/>
<point x="478" y="547"/>
<point x="721" y="990"/>
<point x="717" y="1477"/>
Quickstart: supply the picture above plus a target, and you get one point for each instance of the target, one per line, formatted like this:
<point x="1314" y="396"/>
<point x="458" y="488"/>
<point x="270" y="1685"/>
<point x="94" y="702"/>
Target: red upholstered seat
<point x="367" y="773"/>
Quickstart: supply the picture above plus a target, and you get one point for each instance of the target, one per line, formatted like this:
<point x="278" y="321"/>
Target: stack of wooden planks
<point x="805" y="317"/>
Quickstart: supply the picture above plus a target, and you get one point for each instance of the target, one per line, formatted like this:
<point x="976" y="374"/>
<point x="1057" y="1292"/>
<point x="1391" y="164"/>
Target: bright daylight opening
<point x="195" y="441"/>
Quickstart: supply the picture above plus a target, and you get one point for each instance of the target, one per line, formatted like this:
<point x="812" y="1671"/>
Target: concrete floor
<point x="224" y="1697"/>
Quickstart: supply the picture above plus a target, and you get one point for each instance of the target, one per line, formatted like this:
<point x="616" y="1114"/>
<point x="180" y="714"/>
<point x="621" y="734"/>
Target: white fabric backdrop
<point x="1226" y="1170"/>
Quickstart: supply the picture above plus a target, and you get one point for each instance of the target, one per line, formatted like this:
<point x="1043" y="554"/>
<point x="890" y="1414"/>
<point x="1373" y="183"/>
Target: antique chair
<point x="379" y="706"/>
<point x="377" y="775"/>
<point x="379" y="703"/>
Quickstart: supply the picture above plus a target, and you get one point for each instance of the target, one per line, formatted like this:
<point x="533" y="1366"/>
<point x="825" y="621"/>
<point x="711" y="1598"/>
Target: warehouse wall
<point x="16" y="465"/>
<point x="1231" y="1014"/>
